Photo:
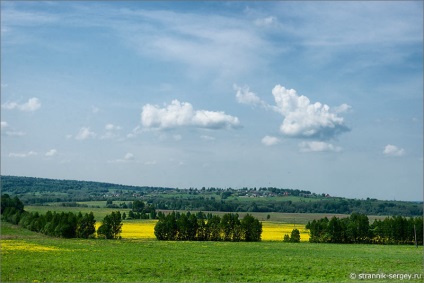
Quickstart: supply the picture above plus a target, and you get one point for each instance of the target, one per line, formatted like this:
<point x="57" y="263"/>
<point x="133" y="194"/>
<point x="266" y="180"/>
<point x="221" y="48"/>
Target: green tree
<point x="111" y="226"/>
<point x="252" y="228"/>
<point x="138" y="206"/>
<point x="214" y="227"/>
<point x="295" y="236"/>
<point x="229" y="222"/>
<point x="85" y="225"/>
<point x="166" y="228"/>
<point x="334" y="230"/>
<point x="183" y="228"/>
<point x="8" y="202"/>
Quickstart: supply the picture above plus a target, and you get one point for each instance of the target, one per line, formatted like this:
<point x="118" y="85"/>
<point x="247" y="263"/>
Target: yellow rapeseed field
<point x="140" y="229"/>
<point x="275" y="231"/>
<point x="9" y="245"/>
<point x="271" y="231"/>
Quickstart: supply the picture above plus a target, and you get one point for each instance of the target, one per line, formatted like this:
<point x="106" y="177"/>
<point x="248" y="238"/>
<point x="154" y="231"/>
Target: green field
<point x="32" y="257"/>
<point x="100" y="213"/>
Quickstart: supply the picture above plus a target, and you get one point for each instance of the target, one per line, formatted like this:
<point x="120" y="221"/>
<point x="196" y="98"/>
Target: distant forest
<point x="40" y="191"/>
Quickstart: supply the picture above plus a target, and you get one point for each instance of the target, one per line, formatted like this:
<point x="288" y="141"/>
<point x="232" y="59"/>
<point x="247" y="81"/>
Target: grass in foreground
<point x="76" y="260"/>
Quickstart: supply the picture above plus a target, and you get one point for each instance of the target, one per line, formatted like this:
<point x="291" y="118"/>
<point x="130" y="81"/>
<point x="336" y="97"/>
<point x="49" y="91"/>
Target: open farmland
<point x="32" y="257"/>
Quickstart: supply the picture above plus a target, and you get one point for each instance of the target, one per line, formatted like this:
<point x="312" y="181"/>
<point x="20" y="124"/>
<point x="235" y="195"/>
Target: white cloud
<point x="85" y="133"/>
<point x="268" y="21"/>
<point x="15" y="133"/>
<point x="31" y="105"/>
<point x="111" y="131"/>
<point x="23" y="155"/>
<point x="392" y="150"/>
<point x="151" y="162"/>
<point x="342" y="108"/>
<point x="182" y="114"/>
<point x="302" y="119"/>
<point x="129" y="156"/>
<point x="245" y="96"/>
<point x="228" y="45"/>
<point x="9" y="131"/>
<point x="51" y="152"/>
<point x="269" y="140"/>
<point x="207" y="138"/>
<point x="318" y="146"/>
<point x="112" y="127"/>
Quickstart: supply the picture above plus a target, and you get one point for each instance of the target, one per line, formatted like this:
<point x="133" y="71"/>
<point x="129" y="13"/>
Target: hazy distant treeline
<point x="68" y="192"/>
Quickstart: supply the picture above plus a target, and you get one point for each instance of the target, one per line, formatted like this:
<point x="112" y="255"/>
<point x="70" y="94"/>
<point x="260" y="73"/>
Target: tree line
<point x="204" y="199"/>
<point x="330" y="205"/>
<point x="201" y="227"/>
<point x="63" y="225"/>
<point x="357" y="229"/>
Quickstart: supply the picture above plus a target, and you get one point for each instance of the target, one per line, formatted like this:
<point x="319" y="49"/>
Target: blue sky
<point x="324" y="96"/>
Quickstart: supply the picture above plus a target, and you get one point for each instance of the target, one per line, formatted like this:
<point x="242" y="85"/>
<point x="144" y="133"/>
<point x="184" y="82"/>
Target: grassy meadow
<point x="32" y="257"/>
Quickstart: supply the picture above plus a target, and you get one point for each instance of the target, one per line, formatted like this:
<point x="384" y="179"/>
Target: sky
<point x="318" y="96"/>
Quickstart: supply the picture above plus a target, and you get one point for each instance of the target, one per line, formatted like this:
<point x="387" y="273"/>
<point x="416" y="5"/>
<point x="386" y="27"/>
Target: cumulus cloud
<point x="303" y="119"/>
<point x="392" y="150"/>
<point x="182" y="114"/>
<point x="31" y="105"/>
<point x="51" y="152"/>
<point x="269" y="140"/>
<point x="245" y="96"/>
<point x="318" y="146"/>
<point x="85" y="133"/>
<point x="4" y="124"/>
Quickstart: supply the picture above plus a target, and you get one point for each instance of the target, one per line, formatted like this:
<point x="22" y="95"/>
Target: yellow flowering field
<point x="275" y="231"/>
<point x="11" y="245"/>
<point x="271" y="231"/>
<point x="140" y="229"/>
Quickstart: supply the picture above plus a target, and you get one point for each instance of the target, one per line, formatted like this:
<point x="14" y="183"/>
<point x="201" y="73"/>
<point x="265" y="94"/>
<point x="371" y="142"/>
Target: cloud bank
<point x="181" y="114"/>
